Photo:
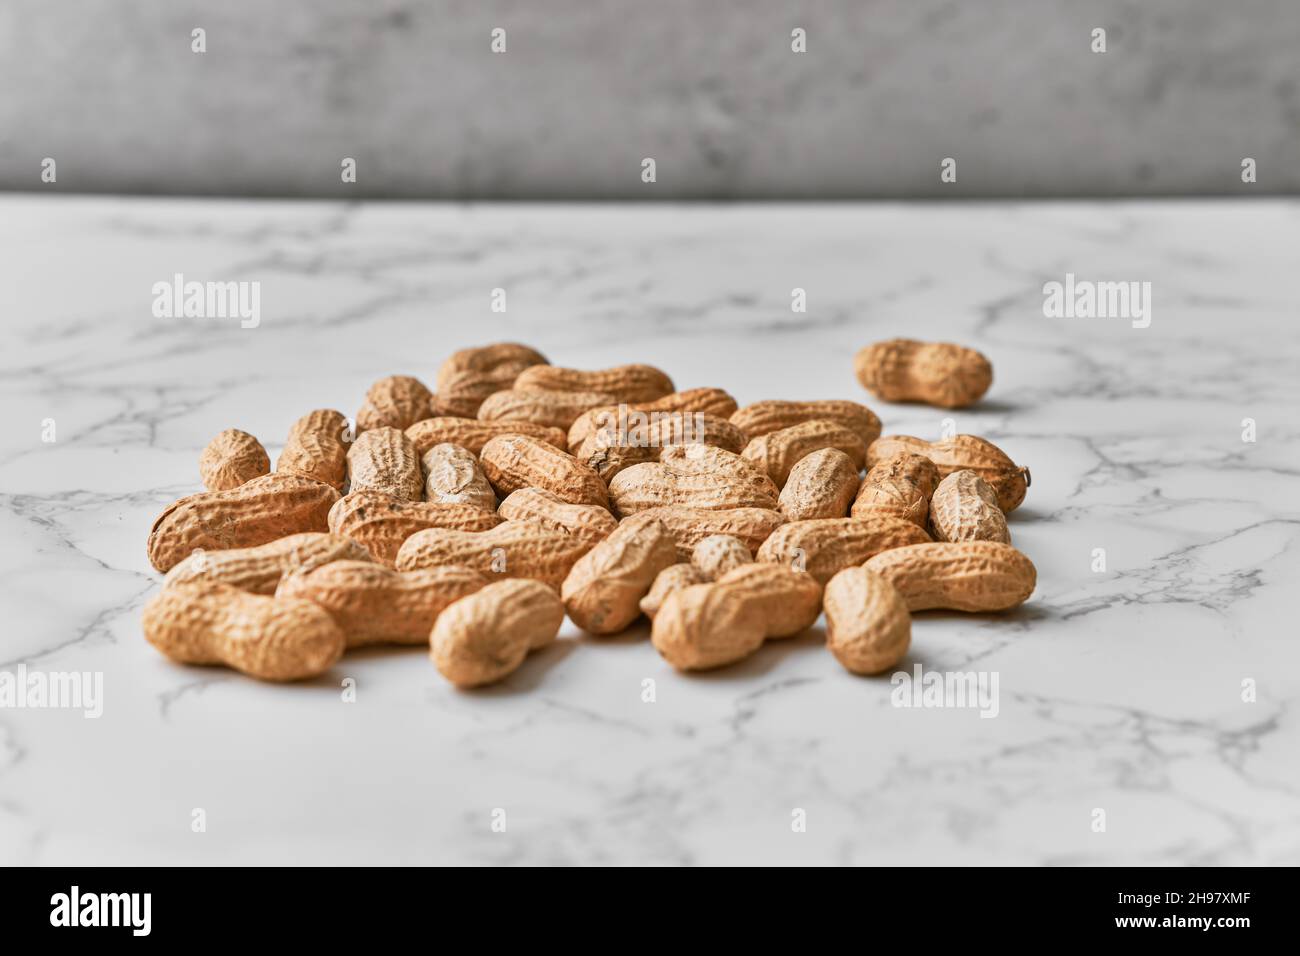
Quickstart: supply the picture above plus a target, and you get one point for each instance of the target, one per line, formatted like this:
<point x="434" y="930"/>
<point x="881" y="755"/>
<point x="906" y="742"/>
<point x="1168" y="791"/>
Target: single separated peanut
<point x="591" y="524"/>
<point x="826" y="546"/>
<point x="471" y="375"/>
<point x="317" y="447"/>
<point x="259" y="570"/>
<point x="698" y="476"/>
<point x="603" y="591"/>
<point x="690" y="526"/>
<point x="513" y="549"/>
<point x="709" y="625"/>
<point x="541" y="406"/>
<point x="868" y="628"/>
<point x="777" y="452"/>
<point x="960" y="452"/>
<point x="381" y="523"/>
<point x="452" y="475"/>
<point x="512" y="462"/>
<point x="820" y="485"/>
<point x="936" y="373"/>
<point x="627" y="383"/>
<point x="717" y="554"/>
<point x="278" y="639"/>
<point x="257" y="512"/>
<point x="232" y="458"/>
<point x="472" y="434"/>
<point x="959" y="576"/>
<point x="707" y="401"/>
<point x="373" y="604"/>
<point x="383" y="459"/>
<point x="483" y="638"/>
<point x="763" y="418"/>
<point x="670" y="579"/>
<point x="965" y="508"/>
<point x="396" y="401"/>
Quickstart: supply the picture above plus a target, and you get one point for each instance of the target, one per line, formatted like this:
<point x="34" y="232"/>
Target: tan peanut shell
<point x="717" y="554"/>
<point x="317" y="447"/>
<point x="626" y="383"/>
<point x="965" y="508"/>
<point x="777" y="452"/>
<point x="472" y="434"/>
<point x="789" y="601"/>
<point x="373" y="604"/>
<point x="469" y="376"/>
<point x="708" y="401"/>
<point x="232" y="458"/>
<point x="258" y="570"/>
<point x="960" y="452"/>
<point x="892" y="498"/>
<point x="276" y="639"/>
<point x="452" y="475"/>
<point x="383" y="459"/>
<point x="513" y="549"/>
<point x="623" y="441"/>
<point x="397" y="401"/>
<point x="540" y="406"/>
<point x="512" y="462"/>
<point x="763" y="418"/>
<point x="826" y="546"/>
<point x="936" y="373"/>
<point x="484" y="637"/>
<point x="589" y="523"/>
<point x="868" y="628"/>
<point x="820" y="485"/>
<point x="257" y="512"/>
<point x="381" y="523"/>
<point x="670" y="579"/>
<point x="917" y="469"/>
<point x="958" y="576"/>
<point x="690" y="526"/>
<point x="698" y="476"/>
<point x="603" y="591"/>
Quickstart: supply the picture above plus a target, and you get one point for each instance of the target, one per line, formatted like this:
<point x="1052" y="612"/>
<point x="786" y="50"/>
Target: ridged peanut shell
<point x="717" y="554"/>
<point x="256" y="512"/>
<point x="697" y="476"/>
<point x="959" y="576"/>
<point x="828" y="545"/>
<point x="381" y="523"/>
<point x="670" y="579"/>
<point x="709" y="401"/>
<point x="892" y="498"/>
<point x="547" y="407"/>
<point x="965" y="508"/>
<point x="512" y="462"/>
<point x="275" y="639"/>
<point x="472" y="434"/>
<point x="396" y="401"/>
<point x="483" y="638"/>
<point x="231" y="459"/>
<point x="603" y="591"/>
<point x="452" y="475"/>
<point x="690" y="526"/>
<point x="469" y="376"/>
<point x="626" y="383"/>
<point x="820" y="485"/>
<point x="513" y="549"/>
<point x="589" y="523"/>
<point x="763" y="418"/>
<point x="383" y="459"/>
<point x="317" y="447"/>
<point x="789" y="601"/>
<point x="632" y="439"/>
<point x="703" y="626"/>
<point x="936" y="373"/>
<point x="777" y="452"/>
<point x="258" y="570"/>
<point x="917" y="469"/>
<point x="1007" y="479"/>
<point x="868" y="628"/>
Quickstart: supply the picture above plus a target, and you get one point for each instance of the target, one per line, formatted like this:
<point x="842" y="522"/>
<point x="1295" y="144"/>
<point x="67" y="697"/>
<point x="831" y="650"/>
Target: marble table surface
<point x="1146" y="712"/>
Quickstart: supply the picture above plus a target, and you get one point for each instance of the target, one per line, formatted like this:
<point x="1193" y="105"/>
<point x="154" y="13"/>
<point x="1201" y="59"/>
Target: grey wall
<point x="709" y="88"/>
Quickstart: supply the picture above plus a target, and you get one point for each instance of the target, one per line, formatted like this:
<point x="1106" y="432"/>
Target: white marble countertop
<point x="1119" y="690"/>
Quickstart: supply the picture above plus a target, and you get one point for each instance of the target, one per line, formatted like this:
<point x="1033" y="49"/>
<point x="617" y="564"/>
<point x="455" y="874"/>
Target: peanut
<point x="979" y="455"/>
<point x="483" y="638"/>
<point x="397" y="401"/>
<point x="603" y="591"/>
<point x="965" y="508"/>
<point x="917" y="469"/>
<point x="936" y="373"/>
<point x="231" y="459"/>
<point x="471" y="375"/>
<point x="452" y="476"/>
<point x="763" y="418"/>
<point x="868" y="628"/>
<point x="589" y="523"/>
<point x="698" y="476"/>
<point x="512" y="462"/>
<point x="820" y="485"/>
<point x="472" y="434"/>
<point x="317" y="448"/>
<point x="383" y="459"/>
<point x="373" y="604"/>
<point x="513" y="549"/>
<point x="826" y="546"/>
<point x="277" y="639"/>
<point x="707" y="401"/>
<point x="959" y="576"/>
<point x="777" y="452"/>
<point x="717" y="554"/>
<point x="381" y="522"/>
<point x="689" y="526"/>
<point x="892" y="498"/>
<point x="258" y="570"/>
<point x="622" y="441"/>
<point x="709" y="625"/>
<point x="627" y="383"/>
<point x="257" y="512"/>
<point x="540" y="406"/>
<point x="670" y="579"/>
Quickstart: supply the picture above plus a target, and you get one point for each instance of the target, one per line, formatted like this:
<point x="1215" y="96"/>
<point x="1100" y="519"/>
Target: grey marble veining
<point x="1118" y="690"/>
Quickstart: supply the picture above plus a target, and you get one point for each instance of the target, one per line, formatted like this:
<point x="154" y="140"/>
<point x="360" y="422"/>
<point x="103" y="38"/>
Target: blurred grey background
<point x="709" y="88"/>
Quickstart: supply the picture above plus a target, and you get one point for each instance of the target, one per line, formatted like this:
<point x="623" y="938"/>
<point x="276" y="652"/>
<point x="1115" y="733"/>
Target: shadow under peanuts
<point x="530" y="674"/>
<point x="766" y="659"/>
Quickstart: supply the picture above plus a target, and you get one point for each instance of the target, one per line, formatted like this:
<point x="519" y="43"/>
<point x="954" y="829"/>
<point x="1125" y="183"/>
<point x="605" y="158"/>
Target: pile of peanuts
<point x="475" y="516"/>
